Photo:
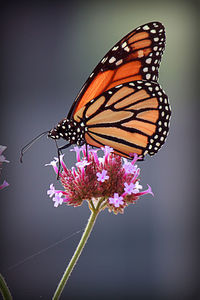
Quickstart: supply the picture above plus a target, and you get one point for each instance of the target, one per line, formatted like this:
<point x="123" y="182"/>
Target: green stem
<point x="4" y="289"/>
<point x="77" y="253"/>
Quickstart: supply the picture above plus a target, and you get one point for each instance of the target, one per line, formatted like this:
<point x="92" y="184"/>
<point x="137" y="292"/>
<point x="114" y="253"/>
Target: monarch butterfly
<point x="121" y="105"/>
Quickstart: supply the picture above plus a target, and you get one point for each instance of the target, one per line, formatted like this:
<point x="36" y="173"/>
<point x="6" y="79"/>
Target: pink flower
<point x="52" y="190"/>
<point x="82" y="164"/>
<point x="58" y="200"/>
<point x="109" y="179"/>
<point x="137" y="187"/>
<point x="129" y="188"/>
<point x="4" y="184"/>
<point x="129" y="167"/>
<point x="117" y="200"/>
<point x="102" y="176"/>
<point x="132" y="188"/>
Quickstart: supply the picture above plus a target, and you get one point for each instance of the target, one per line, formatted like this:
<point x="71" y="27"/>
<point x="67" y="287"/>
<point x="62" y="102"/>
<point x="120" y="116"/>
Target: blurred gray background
<point x="150" y="252"/>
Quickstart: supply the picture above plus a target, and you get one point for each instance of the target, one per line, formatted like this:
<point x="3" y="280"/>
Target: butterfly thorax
<point x="70" y="130"/>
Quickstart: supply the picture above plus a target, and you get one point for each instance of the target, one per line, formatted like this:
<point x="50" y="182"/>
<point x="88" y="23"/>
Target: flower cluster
<point x="110" y="179"/>
<point x="2" y="160"/>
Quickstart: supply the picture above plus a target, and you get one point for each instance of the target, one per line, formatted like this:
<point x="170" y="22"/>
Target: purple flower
<point x="82" y="164"/>
<point x="4" y="184"/>
<point x="53" y="163"/>
<point x="137" y="187"/>
<point x="132" y="188"/>
<point x="117" y="200"/>
<point x="107" y="150"/>
<point x="102" y="176"/>
<point x="129" y="167"/>
<point x="83" y="182"/>
<point x="52" y="190"/>
<point x="129" y="188"/>
<point x="58" y="200"/>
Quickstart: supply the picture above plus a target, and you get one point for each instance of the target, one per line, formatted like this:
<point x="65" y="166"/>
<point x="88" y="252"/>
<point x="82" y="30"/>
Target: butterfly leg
<point x="86" y="145"/>
<point x="59" y="149"/>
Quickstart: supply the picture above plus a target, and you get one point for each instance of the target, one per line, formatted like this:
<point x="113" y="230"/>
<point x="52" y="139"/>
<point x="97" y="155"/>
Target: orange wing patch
<point x="142" y="94"/>
<point x="124" y="80"/>
<point x="120" y="147"/>
<point x="139" y="139"/>
<point x="97" y="86"/>
<point x="132" y="38"/>
<point x="124" y="91"/>
<point x="79" y="114"/>
<point x="95" y="106"/>
<point x="151" y="103"/>
<point x="109" y="116"/>
<point x="147" y="128"/>
<point x="127" y="70"/>
<point x="151" y="116"/>
<point x="91" y="141"/>
<point x="141" y="44"/>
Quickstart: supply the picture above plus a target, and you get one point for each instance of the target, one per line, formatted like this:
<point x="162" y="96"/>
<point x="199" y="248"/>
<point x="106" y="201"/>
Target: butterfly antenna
<point x="25" y="148"/>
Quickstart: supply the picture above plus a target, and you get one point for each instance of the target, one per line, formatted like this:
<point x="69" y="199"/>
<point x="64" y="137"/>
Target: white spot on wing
<point x="115" y="48"/>
<point x="124" y="44"/>
<point x="104" y="60"/>
<point x="148" y="60"/>
<point x="112" y="60"/>
<point x="119" y="62"/>
<point x="127" y="49"/>
<point x="146" y="27"/>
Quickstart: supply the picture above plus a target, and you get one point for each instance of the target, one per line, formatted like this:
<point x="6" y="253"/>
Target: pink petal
<point x="4" y="184"/>
<point x="148" y="191"/>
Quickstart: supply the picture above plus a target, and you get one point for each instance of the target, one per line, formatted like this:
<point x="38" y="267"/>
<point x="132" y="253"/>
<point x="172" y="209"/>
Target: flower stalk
<point x="79" y="249"/>
<point x="4" y="289"/>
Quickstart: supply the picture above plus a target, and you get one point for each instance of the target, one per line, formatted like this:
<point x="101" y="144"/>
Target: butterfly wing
<point x="135" y="57"/>
<point x="131" y="118"/>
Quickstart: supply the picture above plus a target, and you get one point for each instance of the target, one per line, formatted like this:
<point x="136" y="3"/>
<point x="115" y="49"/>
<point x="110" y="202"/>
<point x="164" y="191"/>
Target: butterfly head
<point x="69" y="130"/>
